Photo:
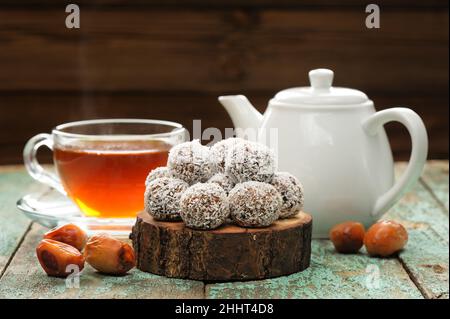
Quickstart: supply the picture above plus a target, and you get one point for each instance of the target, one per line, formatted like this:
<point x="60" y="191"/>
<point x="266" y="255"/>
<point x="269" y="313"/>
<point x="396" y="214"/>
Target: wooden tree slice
<point x="227" y="253"/>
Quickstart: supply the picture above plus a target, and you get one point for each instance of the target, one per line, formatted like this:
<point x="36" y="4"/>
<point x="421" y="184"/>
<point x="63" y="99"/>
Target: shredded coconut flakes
<point x="162" y="198"/>
<point x="250" y="161"/>
<point x="254" y="204"/>
<point x="291" y="191"/>
<point x="204" y="206"/>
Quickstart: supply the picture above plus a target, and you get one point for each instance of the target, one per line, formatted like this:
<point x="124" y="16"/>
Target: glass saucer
<point x="51" y="209"/>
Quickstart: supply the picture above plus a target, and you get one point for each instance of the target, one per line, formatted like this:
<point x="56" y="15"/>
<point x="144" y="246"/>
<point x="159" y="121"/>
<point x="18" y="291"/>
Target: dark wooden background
<point x="171" y="59"/>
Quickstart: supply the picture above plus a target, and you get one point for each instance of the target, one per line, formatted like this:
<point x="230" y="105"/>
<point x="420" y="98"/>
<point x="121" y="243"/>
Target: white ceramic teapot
<point x="334" y="141"/>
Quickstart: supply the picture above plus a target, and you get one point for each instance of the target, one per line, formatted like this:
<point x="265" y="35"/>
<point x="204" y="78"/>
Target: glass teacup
<point x="102" y="164"/>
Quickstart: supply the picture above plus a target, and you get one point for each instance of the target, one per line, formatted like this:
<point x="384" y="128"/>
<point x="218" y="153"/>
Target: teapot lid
<point x="321" y="92"/>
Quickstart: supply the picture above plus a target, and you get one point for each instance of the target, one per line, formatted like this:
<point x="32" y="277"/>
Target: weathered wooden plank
<point x="330" y="275"/>
<point x="267" y="49"/>
<point x="436" y="179"/>
<point x="44" y="111"/>
<point x="425" y="260"/>
<point x="418" y="209"/>
<point x="14" y="183"/>
<point x="426" y="257"/>
<point x="25" y="279"/>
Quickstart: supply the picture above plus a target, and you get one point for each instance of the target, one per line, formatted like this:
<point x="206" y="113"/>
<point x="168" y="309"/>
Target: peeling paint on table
<point x="13" y="225"/>
<point x="331" y="275"/>
<point x="24" y="278"/>
<point x="435" y="177"/>
<point x="420" y="270"/>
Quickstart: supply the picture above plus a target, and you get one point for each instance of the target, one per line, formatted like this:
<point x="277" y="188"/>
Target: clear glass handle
<point x="34" y="168"/>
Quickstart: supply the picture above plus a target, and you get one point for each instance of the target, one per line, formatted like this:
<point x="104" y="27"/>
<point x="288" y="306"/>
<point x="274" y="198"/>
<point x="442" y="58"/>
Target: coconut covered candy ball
<point x="291" y="191"/>
<point x="223" y="180"/>
<point x="162" y="198"/>
<point x="204" y="206"/>
<point x="157" y="173"/>
<point x="219" y="152"/>
<point x="248" y="161"/>
<point x="190" y="162"/>
<point x="254" y="204"/>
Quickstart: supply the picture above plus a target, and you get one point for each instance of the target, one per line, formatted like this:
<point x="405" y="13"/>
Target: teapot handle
<point x="418" y="157"/>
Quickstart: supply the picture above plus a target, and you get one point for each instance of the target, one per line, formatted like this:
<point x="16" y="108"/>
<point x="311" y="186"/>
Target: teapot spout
<point x="243" y="114"/>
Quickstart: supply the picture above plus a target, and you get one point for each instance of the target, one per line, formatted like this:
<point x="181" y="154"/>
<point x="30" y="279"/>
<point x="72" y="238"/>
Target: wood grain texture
<point x="435" y="178"/>
<point x="426" y="257"/>
<point x="223" y="254"/>
<point x="13" y="225"/>
<point x="28" y="114"/>
<point x="25" y="279"/>
<point x="230" y="3"/>
<point x="331" y="275"/>
<point x="170" y="59"/>
<point x="420" y="271"/>
<point x="418" y="209"/>
<point x="266" y="50"/>
<point x="425" y="260"/>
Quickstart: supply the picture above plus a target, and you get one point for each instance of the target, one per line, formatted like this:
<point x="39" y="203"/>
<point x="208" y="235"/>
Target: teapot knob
<point x="321" y="79"/>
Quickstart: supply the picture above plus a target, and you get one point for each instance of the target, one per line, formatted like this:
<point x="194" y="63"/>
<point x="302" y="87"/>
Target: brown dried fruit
<point x="347" y="237"/>
<point x="109" y="255"/>
<point x="69" y="234"/>
<point x="55" y="256"/>
<point x="385" y="238"/>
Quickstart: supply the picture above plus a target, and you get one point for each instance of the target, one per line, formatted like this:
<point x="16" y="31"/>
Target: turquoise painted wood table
<point x="420" y="271"/>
